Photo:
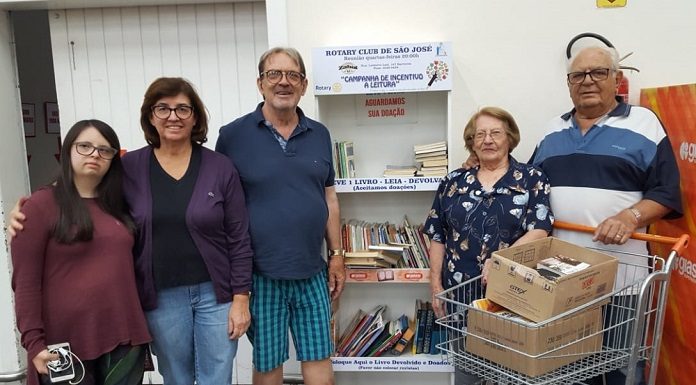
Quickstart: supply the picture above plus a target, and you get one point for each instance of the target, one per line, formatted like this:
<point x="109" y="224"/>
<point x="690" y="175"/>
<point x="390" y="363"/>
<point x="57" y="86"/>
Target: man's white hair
<point x="609" y="51"/>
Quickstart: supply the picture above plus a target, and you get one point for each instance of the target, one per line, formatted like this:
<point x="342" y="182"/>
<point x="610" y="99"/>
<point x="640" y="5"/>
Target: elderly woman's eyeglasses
<point x="274" y="76"/>
<point x="597" y="75"/>
<point x="496" y="135"/>
<point x="87" y="149"/>
<point x="163" y="111"/>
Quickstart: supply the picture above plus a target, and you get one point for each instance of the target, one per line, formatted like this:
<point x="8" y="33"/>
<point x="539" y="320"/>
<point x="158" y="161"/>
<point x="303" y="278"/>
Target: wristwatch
<point x="636" y="213"/>
<point x="338" y="252"/>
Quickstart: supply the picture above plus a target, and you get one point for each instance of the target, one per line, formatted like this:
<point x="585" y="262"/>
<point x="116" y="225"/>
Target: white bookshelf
<point x="375" y="198"/>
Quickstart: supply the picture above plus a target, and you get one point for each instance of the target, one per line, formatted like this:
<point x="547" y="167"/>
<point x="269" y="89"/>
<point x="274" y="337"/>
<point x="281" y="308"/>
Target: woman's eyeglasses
<point x="87" y="149"/>
<point x="163" y="111"/>
<point x="496" y="135"/>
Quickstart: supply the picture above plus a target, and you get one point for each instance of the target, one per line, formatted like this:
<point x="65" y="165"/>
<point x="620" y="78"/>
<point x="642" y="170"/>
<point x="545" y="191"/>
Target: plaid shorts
<point x="303" y="305"/>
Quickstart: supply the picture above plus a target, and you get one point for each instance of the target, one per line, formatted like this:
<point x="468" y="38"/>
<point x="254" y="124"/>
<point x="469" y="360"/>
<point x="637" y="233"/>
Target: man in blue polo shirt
<point x="611" y="166"/>
<point x="285" y="164"/>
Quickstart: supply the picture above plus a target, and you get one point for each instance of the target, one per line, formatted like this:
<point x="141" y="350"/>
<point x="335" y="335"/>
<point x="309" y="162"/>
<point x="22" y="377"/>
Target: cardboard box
<point x="528" y="349"/>
<point x="514" y="283"/>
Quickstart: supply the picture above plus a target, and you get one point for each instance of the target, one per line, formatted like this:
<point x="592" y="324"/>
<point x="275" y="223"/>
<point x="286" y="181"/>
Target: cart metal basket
<point x="628" y="332"/>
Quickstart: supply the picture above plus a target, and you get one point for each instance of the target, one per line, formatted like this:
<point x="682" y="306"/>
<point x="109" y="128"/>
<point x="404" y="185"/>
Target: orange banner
<point x="676" y="108"/>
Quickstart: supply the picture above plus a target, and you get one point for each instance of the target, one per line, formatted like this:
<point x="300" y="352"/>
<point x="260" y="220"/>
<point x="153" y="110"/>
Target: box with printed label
<point x="532" y="349"/>
<point x="514" y="283"/>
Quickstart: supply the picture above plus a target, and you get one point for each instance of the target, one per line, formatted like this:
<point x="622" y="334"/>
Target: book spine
<point x="427" y="334"/>
<point x="337" y="160"/>
<point x="420" y="330"/>
<point x="438" y="336"/>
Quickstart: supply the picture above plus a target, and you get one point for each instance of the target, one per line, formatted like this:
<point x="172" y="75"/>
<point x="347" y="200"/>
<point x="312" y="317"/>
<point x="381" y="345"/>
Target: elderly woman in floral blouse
<point x="497" y="204"/>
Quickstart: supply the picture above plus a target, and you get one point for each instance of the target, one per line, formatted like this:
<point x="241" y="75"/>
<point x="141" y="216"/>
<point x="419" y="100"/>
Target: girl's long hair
<point x="74" y="221"/>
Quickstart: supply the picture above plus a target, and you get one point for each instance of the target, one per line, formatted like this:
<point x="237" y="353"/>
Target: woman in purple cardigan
<point x="193" y="250"/>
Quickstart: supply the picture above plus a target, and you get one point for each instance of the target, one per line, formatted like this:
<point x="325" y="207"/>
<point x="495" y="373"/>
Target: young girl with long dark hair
<point x="73" y="273"/>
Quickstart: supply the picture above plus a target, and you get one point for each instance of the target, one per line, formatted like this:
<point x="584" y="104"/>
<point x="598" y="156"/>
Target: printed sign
<point x="382" y="68"/>
<point x="413" y="183"/>
<point x="391" y="364"/>
<point x="52" y="118"/>
<point x="386" y="109"/>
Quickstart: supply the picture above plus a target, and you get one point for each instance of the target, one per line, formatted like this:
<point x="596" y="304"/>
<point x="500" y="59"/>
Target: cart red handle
<point x="679" y="244"/>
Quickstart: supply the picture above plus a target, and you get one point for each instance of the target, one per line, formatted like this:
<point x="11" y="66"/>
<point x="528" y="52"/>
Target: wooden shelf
<point x="390" y="184"/>
<point x="388" y="275"/>
<point x="405" y="363"/>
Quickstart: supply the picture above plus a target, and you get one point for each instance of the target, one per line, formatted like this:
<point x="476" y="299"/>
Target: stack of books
<point x="393" y="170"/>
<point x="344" y="161"/>
<point x="379" y="256"/>
<point x="432" y="158"/>
<point x="401" y="246"/>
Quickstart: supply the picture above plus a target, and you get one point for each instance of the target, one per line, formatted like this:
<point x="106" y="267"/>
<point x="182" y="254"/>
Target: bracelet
<point x="636" y="213"/>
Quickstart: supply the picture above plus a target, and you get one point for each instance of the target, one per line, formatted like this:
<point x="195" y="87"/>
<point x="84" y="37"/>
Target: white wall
<point x="506" y="53"/>
<point x="14" y="182"/>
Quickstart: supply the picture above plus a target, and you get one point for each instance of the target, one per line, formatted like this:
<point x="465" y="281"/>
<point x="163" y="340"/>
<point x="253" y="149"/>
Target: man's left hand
<point x="617" y="229"/>
<point x="337" y="276"/>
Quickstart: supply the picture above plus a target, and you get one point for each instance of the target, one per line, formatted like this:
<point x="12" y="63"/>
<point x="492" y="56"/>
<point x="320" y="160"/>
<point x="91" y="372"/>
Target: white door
<point x="105" y="58"/>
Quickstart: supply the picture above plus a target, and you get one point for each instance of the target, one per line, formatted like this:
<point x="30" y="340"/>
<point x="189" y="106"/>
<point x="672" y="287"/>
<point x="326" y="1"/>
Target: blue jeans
<point x="190" y="340"/>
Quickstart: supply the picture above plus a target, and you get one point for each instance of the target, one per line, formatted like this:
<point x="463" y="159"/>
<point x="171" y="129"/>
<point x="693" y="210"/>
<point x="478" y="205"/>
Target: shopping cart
<point x="620" y="329"/>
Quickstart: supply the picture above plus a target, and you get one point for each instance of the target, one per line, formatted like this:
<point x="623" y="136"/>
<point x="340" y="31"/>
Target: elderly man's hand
<point x="471" y="162"/>
<point x="337" y="276"/>
<point x="617" y="229"/>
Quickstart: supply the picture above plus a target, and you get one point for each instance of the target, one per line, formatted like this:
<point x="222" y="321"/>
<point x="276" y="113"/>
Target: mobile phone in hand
<point x="61" y="369"/>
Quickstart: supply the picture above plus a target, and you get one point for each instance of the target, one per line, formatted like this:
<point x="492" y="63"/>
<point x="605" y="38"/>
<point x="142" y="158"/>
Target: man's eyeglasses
<point x="597" y="75"/>
<point x="274" y="76"/>
<point x="87" y="149"/>
<point x="163" y="111"/>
